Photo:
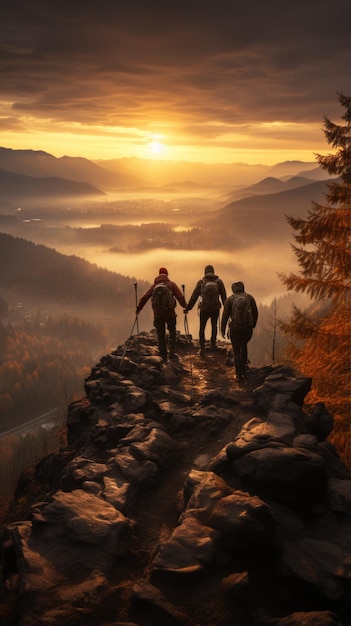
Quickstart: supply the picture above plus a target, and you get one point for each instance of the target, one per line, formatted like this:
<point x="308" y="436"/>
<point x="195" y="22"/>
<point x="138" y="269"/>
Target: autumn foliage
<point x="320" y="338"/>
<point x="42" y="360"/>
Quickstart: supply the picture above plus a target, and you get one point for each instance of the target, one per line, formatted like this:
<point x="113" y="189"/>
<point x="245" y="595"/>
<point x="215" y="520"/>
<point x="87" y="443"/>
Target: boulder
<point x="294" y="476"/>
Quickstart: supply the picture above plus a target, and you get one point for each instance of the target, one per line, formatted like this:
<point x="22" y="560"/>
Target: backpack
<point x="163" y="299"/>
<point x="241" y="312"/>
<point x="210" y="296"/>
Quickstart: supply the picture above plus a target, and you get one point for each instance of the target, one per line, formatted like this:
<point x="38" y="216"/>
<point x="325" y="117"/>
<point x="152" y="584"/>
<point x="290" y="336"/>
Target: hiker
<point x="163" y="294"/>
<point x="211" y="290"/>
<point x="242" y="309"/>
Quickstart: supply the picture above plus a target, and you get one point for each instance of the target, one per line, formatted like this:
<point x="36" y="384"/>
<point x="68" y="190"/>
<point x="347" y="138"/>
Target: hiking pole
<point x="136" y="304"/>
<point x="187" y="334"/>
<point x="127" y="343"/>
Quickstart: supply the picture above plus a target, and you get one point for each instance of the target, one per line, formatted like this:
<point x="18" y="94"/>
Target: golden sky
<point x="192" y="80"/>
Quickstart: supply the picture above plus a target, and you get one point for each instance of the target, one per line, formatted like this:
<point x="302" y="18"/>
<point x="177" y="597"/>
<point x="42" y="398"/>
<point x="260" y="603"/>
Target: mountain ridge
<point x="135" y="172"/>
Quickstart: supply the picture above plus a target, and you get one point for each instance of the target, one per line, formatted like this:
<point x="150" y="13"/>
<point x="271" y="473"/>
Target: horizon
<point x="155" y="159"/>
<point x="172" y="83"/>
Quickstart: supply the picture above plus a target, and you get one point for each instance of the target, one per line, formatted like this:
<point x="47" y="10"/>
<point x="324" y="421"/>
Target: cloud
<point x="193" y="67"/>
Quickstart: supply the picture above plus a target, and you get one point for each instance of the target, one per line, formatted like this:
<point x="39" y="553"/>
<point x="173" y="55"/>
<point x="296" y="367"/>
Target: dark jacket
<point x="198" y="289"/>
<point x="162" y="278"/>
<point x="228" y="305"/>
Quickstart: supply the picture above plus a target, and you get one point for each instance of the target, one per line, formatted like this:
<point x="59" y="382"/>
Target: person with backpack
<point x="242" y="310"/>
<point x="163" y="293"/>
<point x="211" y="290"/>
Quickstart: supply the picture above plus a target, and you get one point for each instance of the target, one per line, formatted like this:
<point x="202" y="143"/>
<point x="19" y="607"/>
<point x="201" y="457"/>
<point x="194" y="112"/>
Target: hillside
<point x="264" y="216"/>
<point x="269" y="185"/>
<point x="37" y="270"/>
<point x="19" y="187"/>
<point x="39" y="164"/>
<point x="183" y="500"/>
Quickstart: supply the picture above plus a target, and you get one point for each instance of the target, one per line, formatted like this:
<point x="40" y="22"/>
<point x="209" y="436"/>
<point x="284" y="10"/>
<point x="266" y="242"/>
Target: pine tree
<point x="321" y="336"/>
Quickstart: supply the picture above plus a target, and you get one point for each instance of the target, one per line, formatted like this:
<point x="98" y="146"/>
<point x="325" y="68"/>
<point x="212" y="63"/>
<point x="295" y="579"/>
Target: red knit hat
<point x="163" y="270"/>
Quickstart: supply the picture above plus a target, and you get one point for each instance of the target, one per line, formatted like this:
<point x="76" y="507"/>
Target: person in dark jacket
<point x="240" y="335"/>
<point x="205" y="315"/>
<point x="164" y="318"/>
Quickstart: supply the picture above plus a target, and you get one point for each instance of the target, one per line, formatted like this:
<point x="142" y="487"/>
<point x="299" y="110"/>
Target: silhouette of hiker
<point x="163" y="293"/>
<point x="242" y="309"/>
<point x="211" y="290"/>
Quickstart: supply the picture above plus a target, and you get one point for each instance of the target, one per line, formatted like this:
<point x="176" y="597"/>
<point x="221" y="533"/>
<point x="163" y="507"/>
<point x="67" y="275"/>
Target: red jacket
<point x="162" y="278"/>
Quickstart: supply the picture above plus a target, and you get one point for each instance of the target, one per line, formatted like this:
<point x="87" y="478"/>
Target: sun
<point x="156" y="147"/>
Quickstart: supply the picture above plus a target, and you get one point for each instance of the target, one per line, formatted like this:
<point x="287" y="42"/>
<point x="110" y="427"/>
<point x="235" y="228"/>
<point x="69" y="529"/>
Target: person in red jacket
<point x="163" y="303"/>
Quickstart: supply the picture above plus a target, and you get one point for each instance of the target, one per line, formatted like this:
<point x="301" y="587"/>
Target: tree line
<point x="45" y="273"/>
<point x="43" y="360"/>
<point x="320" y="339"/>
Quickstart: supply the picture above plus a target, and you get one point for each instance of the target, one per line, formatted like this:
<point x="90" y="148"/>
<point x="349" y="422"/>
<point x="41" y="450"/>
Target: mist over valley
<point x="239" y="228"/>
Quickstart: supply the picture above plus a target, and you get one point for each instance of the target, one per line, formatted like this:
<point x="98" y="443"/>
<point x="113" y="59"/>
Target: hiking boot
<point x="202" y="352"/>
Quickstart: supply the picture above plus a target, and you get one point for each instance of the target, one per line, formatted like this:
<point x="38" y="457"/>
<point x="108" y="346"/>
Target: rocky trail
<point x="156" y="512"/>
<point x="184" y="499"/>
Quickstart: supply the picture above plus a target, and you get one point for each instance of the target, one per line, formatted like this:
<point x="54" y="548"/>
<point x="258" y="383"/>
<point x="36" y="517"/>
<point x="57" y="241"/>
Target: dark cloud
<point x="197" y="63"/>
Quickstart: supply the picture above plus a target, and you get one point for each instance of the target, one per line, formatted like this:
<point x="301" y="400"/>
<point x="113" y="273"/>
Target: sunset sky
<point x="192" y="80"/>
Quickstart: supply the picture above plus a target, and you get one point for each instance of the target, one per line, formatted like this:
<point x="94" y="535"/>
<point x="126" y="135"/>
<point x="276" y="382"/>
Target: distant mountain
<point x="39" y="164"/>
<point x="269" y="185"/>
<point x="18" y="186"/>
<point x="264" y="216"/>
<point x="316" y="174"/>
<point x="133" y="173"/>
<point x="157" y="172"/>
<point x="290" y="168"/>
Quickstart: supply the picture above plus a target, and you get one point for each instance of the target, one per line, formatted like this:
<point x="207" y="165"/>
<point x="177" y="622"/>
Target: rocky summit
<point x="184" y="499"/>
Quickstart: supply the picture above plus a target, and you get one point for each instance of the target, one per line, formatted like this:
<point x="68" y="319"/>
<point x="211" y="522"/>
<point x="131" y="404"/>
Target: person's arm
<point x="144" y="298"/>
<point x="254" y="310"/>
<point x="194" y="296"/>
<point x="222" y="291"/>
<point x="226" y="314"/>
<point x="178" y="295"/>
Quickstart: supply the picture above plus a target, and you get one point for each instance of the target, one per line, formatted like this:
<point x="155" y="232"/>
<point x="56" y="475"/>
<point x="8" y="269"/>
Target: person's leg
<point x="214" y="324"/>
<point x="242" y="356"/>
<point x="246" y="336"/>
<point x="236" y="345"/>
<point x="203" y="320"/>
<point x="171" y="325"/>
<point x="160" y="326"/>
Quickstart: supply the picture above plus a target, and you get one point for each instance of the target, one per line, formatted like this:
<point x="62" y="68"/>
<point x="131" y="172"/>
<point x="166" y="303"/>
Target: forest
<point x="320" y="342"/>
<point x="43" y="363"/>
<point x="44" y="273"/>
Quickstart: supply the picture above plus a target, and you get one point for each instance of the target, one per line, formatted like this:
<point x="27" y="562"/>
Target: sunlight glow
<point x="260" y="143"/>
<point x="156" y="147"/>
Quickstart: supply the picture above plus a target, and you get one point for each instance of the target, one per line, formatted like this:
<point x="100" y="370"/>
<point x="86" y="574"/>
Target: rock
<point x="281" y="389"/>
<point x="142" y="473"/>
<point x="147" y="593"/>
<point x="319" y="421"/>
<point x="290" y="475"/>
<point x="301" y="618"/>
<point x="190" y="548"/>
<point x="157" y="447"/>
<point x="245" y="519"/>
<point x="83" y="517"/>
<point x="339" y="495"/>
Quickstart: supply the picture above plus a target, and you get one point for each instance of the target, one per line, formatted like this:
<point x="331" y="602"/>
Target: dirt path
<point x="158" y="510"/>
